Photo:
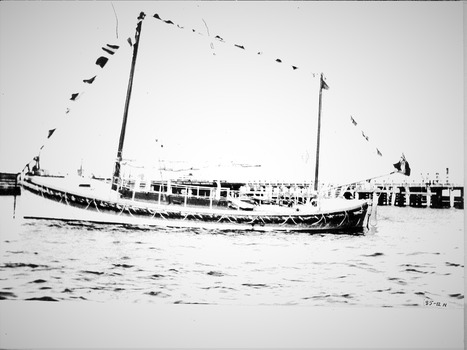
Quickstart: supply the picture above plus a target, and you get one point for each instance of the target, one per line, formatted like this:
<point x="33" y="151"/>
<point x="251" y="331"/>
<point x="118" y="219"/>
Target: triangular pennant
<point x="353" y="121"/>
<point x="279" y="60"/>
<point x="323" y="84"/>
<point x="169" y="21"/>
<point x="101" y="61"/>
<point x="90" y="81"/>
<point x="51" y="132"/>
<point x="378" y="152"/>
<point x="156" y="16"/>
<point x="240" y="46"/>
<point x="402" y="166"/>
<point x="294" y="67"/>
<point x="108" y="51"/>
<point x="74" y="96"/>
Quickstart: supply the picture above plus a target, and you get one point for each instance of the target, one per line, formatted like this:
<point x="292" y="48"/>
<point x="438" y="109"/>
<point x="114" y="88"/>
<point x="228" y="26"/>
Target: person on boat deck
<point x="36" y="167"/>
<point x="218" y="190"/>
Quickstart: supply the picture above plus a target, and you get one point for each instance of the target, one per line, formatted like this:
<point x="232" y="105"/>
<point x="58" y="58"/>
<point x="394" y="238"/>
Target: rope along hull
<point x="46" y="202"/>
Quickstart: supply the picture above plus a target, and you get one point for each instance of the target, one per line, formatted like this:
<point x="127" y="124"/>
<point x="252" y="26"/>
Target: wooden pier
<point x="418" y="195"/>
<point x="9" y="184"/>
<point x="412" y="195"/>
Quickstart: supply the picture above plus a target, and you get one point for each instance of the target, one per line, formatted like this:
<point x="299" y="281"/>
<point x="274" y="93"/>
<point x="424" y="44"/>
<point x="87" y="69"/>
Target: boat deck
<point x="101" y="191"/>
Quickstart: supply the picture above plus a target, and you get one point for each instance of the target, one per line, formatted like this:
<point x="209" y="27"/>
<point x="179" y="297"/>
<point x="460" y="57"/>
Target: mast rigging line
<point x="207" y="29"/>
<point x="116" y="19"/>
<point x="354" y="183"/>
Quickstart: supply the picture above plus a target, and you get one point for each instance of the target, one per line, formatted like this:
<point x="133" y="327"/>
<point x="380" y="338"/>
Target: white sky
<point x="396" y="67"/>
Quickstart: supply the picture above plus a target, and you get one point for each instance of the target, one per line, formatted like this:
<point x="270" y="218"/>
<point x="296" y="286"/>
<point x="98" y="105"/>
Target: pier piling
<point x="9" y="184"/>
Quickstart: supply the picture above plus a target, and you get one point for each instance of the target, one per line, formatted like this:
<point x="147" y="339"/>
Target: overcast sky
<point x="396" y="67"/>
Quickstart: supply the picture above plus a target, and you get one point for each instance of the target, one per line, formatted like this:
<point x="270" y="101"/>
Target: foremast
<point x="322" y="85"/>
<point x="116" y="174"/>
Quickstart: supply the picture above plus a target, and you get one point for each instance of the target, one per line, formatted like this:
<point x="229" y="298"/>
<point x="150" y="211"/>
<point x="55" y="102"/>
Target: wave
<point x="93" y="272"/>
<point x="374" y="254"/>
<point x="46" y="298"/>
<point x="215" y="273"/>
<point x="7" y="295"/>
<point x="19" y="265"/>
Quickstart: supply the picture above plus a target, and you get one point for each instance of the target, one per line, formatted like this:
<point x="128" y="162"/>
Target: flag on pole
<point x="323" y="84"/>
<point x="402" y="166"/>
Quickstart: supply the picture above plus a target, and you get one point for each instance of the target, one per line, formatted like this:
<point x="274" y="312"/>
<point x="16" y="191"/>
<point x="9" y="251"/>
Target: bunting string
<point x="366" y="137"/>
<point x="222" y="40"/>
<point x="109" y="51"/>
<point x="401" y="167"/>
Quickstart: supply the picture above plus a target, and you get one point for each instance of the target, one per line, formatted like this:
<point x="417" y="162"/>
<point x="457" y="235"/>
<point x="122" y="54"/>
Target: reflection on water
<point x="411" y="257"/>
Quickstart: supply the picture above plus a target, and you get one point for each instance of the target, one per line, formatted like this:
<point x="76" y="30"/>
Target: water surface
<point x="411" y="257"/>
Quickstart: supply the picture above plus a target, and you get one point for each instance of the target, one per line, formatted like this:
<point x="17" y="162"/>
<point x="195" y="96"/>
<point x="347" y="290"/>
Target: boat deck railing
<point x="282" y="195"/>
<point x="168" y="187"/>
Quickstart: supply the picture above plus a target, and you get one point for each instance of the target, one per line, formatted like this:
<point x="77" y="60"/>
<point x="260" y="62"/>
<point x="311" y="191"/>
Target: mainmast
<point x="322" y="85"/>
<point x="116" y="174"/>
